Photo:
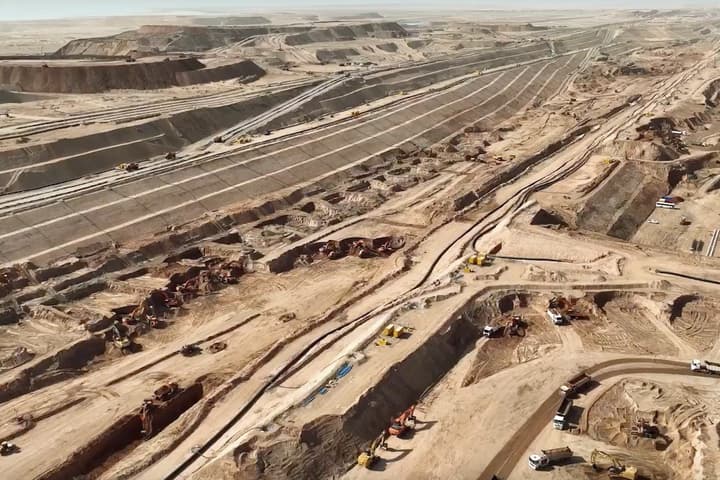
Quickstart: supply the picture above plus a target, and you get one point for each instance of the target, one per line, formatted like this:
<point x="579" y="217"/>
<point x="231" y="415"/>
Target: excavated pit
<point x="52" y="368"/>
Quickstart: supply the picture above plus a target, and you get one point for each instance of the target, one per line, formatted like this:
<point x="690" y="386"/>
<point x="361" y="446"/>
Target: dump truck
<point x="705" y="366"/>
<point x="549" y="457"/>
<point x="575" y="384"/>
<point x="560" y="418"/>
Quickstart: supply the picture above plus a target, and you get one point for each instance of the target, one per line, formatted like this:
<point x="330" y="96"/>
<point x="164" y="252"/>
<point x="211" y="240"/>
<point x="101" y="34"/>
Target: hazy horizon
<point x="14" y="10"/>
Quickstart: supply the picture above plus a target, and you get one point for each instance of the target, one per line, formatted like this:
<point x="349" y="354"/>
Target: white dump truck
<point x="546" y="458"/>
<point x="705" y="366"/>
<point x="575" y="384"/>
<point x="560" y="418"/>
<point x="491" y="331"/>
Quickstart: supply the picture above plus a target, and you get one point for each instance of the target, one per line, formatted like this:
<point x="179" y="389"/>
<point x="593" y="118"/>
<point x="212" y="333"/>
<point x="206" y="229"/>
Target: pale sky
<point x="41" y="9"/>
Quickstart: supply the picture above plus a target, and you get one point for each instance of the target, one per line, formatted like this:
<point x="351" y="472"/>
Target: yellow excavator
<point x="616" y="471"/>
<point x="367" y="458"/>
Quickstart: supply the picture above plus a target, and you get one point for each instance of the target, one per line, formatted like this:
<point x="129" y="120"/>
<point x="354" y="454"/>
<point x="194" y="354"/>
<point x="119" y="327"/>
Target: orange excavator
<point x="401" y="424"/>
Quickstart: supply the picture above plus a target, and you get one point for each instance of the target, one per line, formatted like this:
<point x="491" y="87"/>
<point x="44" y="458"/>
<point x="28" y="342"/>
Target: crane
<point x="367" y="457"/>
<point x="403" y="423"/>
<point x="617" y="470"/>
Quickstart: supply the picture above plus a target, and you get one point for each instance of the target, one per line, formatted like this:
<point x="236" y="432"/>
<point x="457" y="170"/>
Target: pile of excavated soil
<point x="89" y="78"/>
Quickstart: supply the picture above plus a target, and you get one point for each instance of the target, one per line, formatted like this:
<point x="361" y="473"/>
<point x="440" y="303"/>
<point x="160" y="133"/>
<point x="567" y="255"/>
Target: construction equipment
<point x="479" y="259"/>
<point x="515" y="326"/>
<point x="367" y="458"/>
<point x="560" y="418"/>
<point x="8" y="448"/>
<point x="705" y="366"/>
<point x="395" y="331"/>
<point x="549" y="457"/>
<point x="128" y="167"/>
<point x="403" y="423"/>
<point x="685" y="221"/>
<point x="120" y="339"/>
<point x="643" y="428"/>
<point x="575" y="384"/>
<point x="166" y="392"/>
<point x="491" y="331"/>
<point x="190" y="350"/>
<point x="616" y="470"/>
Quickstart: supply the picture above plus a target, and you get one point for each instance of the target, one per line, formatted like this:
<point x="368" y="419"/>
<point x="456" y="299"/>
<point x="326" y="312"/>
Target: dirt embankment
<point x="348" y="32"/>
<point x="355" y="92"/>
<point x="155" y="39"/>
<point x="245" y="71"/>
<point x="625" y="200"/>
<point x="89" y="78"/>
<point x="329" y="445"/>
<point x="712" y="94"/>
<point x="50" y="369"/>
<point x="103" y="151"/>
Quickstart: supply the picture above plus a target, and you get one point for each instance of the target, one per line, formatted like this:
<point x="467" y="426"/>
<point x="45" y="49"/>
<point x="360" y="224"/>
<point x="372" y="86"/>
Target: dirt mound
<point x="348" y="32"/>
<point x="88" y="78"/>
<point x="154" y="39"/>
<point x="640" y="150"/>
<point x="225" y="21"/>
<point x="335" y="250"/>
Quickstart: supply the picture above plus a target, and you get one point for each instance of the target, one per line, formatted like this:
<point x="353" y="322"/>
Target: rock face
<point x="93" y="78"/>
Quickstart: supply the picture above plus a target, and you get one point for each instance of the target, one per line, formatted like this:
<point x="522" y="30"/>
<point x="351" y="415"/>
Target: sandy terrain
<point x="223" y="309"/>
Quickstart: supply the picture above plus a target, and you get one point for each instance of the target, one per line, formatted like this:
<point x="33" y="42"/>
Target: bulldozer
<point x="367" y="458"/>
<point x="616" y="471"/>
<point x="403" y="423"/>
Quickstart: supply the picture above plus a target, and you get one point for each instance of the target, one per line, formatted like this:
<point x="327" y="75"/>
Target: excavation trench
<point x="328" y="446"/>
<point x="124" y="435"/>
